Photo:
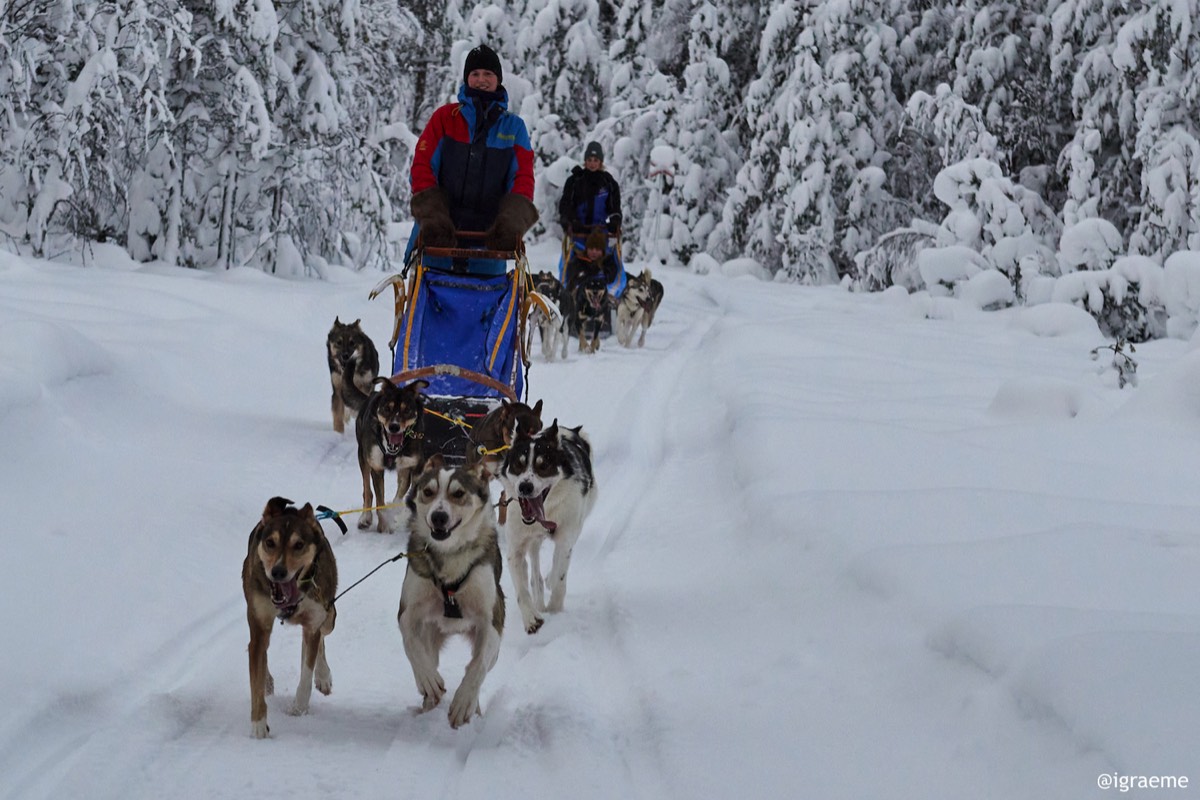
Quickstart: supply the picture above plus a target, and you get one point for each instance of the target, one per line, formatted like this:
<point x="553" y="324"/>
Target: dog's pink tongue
<point x="533" y="510"/>
<point x="285" y="594"/>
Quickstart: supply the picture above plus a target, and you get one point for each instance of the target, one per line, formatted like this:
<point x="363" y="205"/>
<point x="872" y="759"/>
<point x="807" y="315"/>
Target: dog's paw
<point x="259" y="729"/>
<point x="464" y="706"/>
<point x="534" y="624"/>
<point x="324" y="683"/>
<point x="298" y="709"/>
<point x="432" y="688"/>
<point x="365" y="520"/>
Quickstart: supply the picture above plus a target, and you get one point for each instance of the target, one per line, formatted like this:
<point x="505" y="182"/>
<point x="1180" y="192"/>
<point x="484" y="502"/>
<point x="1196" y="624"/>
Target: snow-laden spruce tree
<point x="564" y="61"/>
<point x="752" y="217"/>
<point x="841" y="114"/>
<point x="1157" y="51"/>
<point x="1098" y="162"/>
<point x="706" y="160"/>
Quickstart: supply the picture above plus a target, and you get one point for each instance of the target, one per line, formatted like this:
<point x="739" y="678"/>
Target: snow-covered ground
<point x="846" y="546"/>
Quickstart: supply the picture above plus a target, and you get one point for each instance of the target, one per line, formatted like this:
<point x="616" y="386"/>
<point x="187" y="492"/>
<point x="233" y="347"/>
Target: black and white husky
<point x="452" y="585"/>
<point x="550" y="476"/>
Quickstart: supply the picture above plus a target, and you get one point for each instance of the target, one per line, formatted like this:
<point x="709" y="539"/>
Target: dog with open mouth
<point x="452" y="585"/>
<point x="289" y="574"/>
<point x="550" y="477"/>
<point x="390" y="433"/>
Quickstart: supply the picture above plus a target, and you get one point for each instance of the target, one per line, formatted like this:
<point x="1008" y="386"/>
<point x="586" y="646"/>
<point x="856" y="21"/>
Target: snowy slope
<point x="845" y="546"/>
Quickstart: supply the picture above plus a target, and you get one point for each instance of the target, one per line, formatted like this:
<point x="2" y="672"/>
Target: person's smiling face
<point x="483" y="80"/>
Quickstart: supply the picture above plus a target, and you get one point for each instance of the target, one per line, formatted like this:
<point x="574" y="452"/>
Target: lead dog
<point x="636" y="309"/>
<point x="289" y="574"/>
<point x="389" y="429"/>
<point x="349" y="351"/>
<point x="550" y="476"/>
<point x="452" y="585"/>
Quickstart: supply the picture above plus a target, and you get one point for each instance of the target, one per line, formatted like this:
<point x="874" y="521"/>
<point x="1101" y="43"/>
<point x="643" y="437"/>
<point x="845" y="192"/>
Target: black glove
<point x="614" y="222"/>
<point x="431" y="210"/>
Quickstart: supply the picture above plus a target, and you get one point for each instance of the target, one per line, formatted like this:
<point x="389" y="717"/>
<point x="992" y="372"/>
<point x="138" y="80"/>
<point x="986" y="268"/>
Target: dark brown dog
<point x="494" y="434"/>
<point x="390" y="429"/>
<point x="592" y="306"/>
<point x="289" y="574"/>
<point x="350" y="353"/>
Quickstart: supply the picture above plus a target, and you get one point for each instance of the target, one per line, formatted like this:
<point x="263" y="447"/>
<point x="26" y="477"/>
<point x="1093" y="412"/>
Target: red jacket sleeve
<point x="424" y="170"/>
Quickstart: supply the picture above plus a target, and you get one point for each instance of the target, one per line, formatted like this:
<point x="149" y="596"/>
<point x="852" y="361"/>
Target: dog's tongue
<point x="285" y="594"/>
<point x="533" y="510"/>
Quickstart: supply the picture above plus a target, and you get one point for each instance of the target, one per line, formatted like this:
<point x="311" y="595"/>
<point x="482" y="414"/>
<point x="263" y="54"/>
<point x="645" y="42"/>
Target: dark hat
<point x="594" y="150"/>
<point x="483" y="57"/>
<point x="596" y="240"/>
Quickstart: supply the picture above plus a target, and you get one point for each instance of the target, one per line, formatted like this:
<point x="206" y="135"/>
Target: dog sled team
<point x="472" y="180"/>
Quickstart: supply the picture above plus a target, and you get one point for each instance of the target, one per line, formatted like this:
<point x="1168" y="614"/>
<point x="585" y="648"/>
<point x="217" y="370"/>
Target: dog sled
<point x="574" y="244"/>
<point x="459" y="323"/>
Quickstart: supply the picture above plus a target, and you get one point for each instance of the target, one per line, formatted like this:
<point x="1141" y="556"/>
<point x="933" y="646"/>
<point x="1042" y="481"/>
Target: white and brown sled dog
<point x="349" y="351"/>
<point x="289" y="574"/>
<point x="550" y="476"/>
<point x="636" y="309"/>
<point x="553" y="331"/>
<point x="452" y="585"/>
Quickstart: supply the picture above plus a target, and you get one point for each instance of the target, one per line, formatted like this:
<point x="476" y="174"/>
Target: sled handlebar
<point x="472" y="252"/>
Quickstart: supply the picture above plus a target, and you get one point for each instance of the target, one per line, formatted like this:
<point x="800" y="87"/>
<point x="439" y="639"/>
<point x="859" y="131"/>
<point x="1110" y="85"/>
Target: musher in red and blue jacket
<point x="473" y="169"/>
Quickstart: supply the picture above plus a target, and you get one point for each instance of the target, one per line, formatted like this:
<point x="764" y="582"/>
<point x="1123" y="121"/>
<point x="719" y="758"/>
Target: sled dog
<point x="553" y="332"/>
<point x="289" y="574"/>
<point x="643" y="294"/>
<point x="590" y="307"/>
<point x="389" y="429"/>
<point x="550" y="476"/>
<point x="349" y="349"/>
<point x="452" y="585"/>
<point x="494" y="434"/>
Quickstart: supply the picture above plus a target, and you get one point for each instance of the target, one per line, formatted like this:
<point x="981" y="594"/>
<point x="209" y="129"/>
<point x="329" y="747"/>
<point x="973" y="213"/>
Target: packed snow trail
<point x="775" y="595"/>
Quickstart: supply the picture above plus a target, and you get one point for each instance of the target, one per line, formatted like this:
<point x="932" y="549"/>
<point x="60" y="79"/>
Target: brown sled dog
<point x="390" y="430"/>
<point x="494" y="434"/>
<point x="289" y="574"/>
<point x="349" y="350"/>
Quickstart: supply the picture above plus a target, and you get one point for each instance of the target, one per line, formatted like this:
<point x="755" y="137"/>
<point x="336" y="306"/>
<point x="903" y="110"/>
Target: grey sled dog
<point x="550" y="476"/>
<point x="452" y="585"/>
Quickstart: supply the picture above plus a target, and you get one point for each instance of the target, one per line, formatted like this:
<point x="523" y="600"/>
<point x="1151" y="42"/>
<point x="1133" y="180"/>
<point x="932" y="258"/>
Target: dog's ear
<point x="434" y="463"/>
<point x="380" y="381"/>
<point x="307" y="512"/>
<point x="337" y="320"/>
<point x="478" y="470"/>
<point x="275" y="507"/>
<point x="355" y="323"/>
<point x="552" y="431"/>
<point x="537" y="409"/>
<point x="417" y="385"/>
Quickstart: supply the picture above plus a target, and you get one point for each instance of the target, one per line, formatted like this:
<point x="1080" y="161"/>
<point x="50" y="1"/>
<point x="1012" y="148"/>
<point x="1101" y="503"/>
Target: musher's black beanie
<point x="483" y="57"/>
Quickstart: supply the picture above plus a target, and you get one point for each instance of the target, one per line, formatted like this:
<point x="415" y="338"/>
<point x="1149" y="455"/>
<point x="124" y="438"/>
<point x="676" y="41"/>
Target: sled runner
<point x="460" y="317"/>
